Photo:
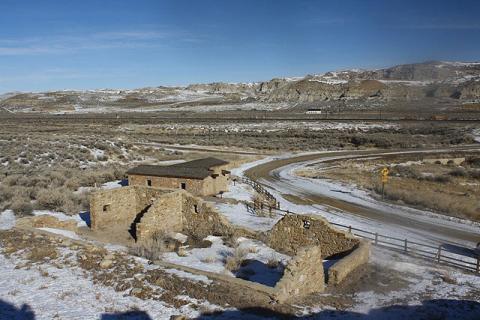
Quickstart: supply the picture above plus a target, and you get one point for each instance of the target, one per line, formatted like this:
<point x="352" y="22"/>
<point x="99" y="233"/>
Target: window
<point x="149" y="182"/>
<point x="106" y="208"/>
<point x="195" y="208"/>
<point x="183" y="185"/>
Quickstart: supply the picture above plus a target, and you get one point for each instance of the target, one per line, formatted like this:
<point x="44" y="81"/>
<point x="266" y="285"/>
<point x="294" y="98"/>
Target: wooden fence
<point x="261" y="190"/>
<point x="446" y="254"/>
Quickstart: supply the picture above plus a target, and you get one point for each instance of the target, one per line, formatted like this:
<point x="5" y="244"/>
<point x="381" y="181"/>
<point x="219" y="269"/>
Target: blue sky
<point x="58" y="44"/>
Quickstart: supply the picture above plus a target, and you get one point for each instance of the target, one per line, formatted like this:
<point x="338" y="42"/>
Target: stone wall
<point x="303" y="275"/>
<point x="207" y="187"/>
<point x="294" y="232"/>
<point x="179" y="211"/>
<point x="308" y="239"/>
<point x="165" y="215"/>
<point x="194" y="186"/>
<point x="201" y="219"/>
<point x="158" y="210"/>
<point x="119" y="207"/>
<point x="341" y="269"/>
<point x="112" y="207"/>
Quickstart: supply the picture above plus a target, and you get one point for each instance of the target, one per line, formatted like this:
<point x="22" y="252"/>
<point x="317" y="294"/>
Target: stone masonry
<point x="308" y="239"/>
<point x="294" y="232"/>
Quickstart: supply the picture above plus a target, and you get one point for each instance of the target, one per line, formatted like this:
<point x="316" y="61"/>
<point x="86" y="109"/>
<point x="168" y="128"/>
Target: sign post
<point x="384" y="175"/>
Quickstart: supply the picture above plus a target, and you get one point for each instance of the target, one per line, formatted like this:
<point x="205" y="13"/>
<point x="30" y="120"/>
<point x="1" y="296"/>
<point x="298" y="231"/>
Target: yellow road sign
<point x="385" y="172"/>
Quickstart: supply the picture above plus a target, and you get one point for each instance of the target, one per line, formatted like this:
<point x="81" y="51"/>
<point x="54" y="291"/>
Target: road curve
<point x="269" y="175"/>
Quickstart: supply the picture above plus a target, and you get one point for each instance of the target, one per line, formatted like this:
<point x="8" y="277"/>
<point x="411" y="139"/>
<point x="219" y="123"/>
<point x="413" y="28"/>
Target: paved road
<point x="269" y="175"/>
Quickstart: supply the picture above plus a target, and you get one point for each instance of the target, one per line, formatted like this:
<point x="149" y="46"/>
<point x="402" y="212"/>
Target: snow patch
<point x="65" y="233"/>
<point x="7" y="220"/>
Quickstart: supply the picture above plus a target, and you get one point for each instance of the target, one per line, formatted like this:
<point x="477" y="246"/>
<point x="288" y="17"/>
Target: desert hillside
<point x="439" y="84"/>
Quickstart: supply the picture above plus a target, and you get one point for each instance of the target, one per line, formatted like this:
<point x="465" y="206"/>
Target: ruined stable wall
<point x="164" y="216"/>
<point x="179" y="211"/>
<point x="341" y="269"/>
<point x="120" y="206"/>
<point x="309" y="239"/>
<point x="111" y="207"/>
<point x="293" y="232"/>
<point x="303" y="275"/>
<point x="201" y="219"/>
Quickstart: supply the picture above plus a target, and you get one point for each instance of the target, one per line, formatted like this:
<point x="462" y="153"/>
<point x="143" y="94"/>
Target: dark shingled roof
<point x="196" y="169"/>
<point x="206" y="163"/>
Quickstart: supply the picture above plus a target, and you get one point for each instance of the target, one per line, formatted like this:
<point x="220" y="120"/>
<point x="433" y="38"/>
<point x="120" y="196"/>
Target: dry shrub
<point x="21" y="206"/>
<point x="273" y="262"/>
<point x="234" y="262"/>
<point x="11" y="180"/>
<point x="458" y="172"/>
<point x="252" y="249"/>
<point x="7" y="192"/>
<point x="73" y="183"/>
<point x="209" y="259"/>
<point x="41" y="253"/>
<point x="53" y="199"/>
<point x="151" y="248"/>
<point x="61" y="199"/>
<point x="433" y="200"/>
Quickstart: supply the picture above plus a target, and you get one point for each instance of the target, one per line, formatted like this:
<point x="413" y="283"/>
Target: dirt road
<point x="438" y="231"/>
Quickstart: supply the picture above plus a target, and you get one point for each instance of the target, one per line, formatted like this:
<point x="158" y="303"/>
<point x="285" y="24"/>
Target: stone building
<point x="141" y="213"/>
<point x="202" y="177"/>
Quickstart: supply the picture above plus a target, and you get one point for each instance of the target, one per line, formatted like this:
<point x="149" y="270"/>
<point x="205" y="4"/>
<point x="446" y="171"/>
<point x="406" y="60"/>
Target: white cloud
<point x="58" y="44"/>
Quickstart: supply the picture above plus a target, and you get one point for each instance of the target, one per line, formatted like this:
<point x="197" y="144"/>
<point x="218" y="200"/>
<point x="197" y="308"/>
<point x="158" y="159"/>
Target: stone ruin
<point x="139" y="212"/>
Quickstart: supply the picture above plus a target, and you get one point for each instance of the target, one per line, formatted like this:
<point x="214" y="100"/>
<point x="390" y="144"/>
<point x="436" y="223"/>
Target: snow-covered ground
<point x="212" y="259"/>
<point x="268" y="126"/>
<point x="354" y="195"/>
<point x="238" y="214"/>
<point x="7" y="220"/>
<point x="423" y="280"/>
<point x="47" y="292"/>
<point x="290" y="183"/>
<point x="476" y="135"/>
<point x="38" y="290"/>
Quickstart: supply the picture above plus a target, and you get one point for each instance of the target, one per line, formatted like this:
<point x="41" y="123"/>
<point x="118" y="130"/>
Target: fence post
<point x="376" y="238"/>
<point x="406" y="245"/>
<point x="349" y="229"/>
<point x="439" y="254"/>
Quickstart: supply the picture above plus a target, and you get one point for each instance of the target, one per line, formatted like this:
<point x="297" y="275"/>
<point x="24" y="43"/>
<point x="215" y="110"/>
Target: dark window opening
<point x="183" y="185"/>
<point x="149" y="182"/>
<point x="106" y="207"/>
<point x="195" y="208"/>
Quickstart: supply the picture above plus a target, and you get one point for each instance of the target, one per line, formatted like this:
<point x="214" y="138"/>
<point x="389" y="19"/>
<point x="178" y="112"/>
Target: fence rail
<point x="440" y="254"/>
<point x="261" y="190"/>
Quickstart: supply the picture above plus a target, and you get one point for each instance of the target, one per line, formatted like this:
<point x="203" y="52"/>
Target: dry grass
<point x="273" y="262"/>
<point x="234" y="262"/>
<point x="210" y="259"/>
<point x="41" y="253"/>
<point x="151" y="248"/>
